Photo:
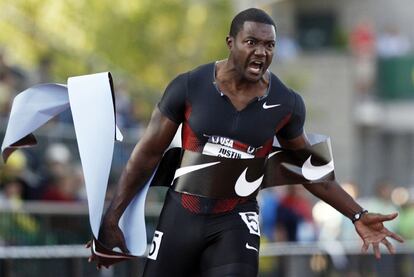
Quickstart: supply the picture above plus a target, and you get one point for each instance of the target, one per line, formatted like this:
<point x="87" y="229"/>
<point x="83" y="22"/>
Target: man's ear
<point x="229" y="41"/>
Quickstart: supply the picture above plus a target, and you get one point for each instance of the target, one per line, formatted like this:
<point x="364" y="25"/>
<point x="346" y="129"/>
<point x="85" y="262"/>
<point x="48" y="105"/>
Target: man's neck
<point x="228" y="76"/>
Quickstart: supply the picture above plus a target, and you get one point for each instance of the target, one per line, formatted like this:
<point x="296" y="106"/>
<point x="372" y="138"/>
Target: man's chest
<point x="215" y="115"/>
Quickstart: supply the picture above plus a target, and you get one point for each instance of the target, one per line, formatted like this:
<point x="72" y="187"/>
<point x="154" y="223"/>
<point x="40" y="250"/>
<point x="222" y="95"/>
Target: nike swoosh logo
<point x="243" y="187"/>
<point x="251" y="247"/>
<point x="265" y="106"/>
<point x="311" y="172"/>
<point x="187" y="169"/>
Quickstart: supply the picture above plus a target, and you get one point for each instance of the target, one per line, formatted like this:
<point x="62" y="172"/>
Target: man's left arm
<point x="369" y="226"/>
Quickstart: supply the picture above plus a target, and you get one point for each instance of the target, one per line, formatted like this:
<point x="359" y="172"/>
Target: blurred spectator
<point x="16" y="227"/>
<point x="331" y="223"/>
<point x="392" y="43"/>
<point x="57" y="158"/>
<point x="15" y="166"/>
<point x="45" y="168"/>
<point x="12" y="191"/>
<point x="125" y="114"/>
<point x="62" y="188"/>
<point x="362" y="39"/>
<point x="61" y="182"/>
<point x="294" y="216"/>
<point x="362" y="44"/>
<point x="268" y="201"/>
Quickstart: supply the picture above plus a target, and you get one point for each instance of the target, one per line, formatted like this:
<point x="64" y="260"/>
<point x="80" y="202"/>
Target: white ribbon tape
<point x="90" y="98"/>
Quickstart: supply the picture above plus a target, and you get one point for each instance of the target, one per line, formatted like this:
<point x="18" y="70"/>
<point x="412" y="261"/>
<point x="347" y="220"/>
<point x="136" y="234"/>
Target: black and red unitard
<point x="198" y="236"/>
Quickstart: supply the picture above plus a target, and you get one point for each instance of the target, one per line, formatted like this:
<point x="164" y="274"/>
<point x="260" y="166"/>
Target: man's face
<point x="252" y="49"/>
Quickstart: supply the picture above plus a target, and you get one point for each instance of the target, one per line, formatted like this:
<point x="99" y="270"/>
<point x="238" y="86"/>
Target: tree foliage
<point x="143" y="42"/>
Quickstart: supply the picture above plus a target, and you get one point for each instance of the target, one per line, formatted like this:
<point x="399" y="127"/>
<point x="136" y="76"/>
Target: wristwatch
<point x="358" y="216"/>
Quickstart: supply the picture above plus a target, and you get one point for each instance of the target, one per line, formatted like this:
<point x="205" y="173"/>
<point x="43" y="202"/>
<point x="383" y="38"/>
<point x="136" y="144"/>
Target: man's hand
<point x="372" y="231"/>
<point x="110" y="236"/>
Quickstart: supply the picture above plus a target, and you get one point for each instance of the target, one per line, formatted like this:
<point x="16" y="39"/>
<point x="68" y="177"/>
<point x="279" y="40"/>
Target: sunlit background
<point x="352" y="61"/>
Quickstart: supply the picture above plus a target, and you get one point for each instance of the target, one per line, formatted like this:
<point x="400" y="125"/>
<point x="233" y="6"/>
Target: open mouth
<point x="255" y="67"/>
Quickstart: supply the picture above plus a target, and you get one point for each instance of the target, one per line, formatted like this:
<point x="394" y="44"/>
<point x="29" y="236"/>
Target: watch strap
<point x="358" y="216"/>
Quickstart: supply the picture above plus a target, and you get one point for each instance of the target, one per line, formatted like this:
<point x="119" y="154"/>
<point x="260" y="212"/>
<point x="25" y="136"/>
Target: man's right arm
<point x="144" y="158"/>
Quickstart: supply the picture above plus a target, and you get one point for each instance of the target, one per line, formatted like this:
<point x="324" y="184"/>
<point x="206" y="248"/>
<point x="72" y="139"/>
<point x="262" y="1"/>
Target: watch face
<point x="358" y="216"/>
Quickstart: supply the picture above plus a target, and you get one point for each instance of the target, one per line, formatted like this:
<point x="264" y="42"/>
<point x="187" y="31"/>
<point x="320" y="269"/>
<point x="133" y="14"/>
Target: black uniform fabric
<point x="209" y="237"/>
<point x="206" y="245"/>
<point x="194" y="100"/>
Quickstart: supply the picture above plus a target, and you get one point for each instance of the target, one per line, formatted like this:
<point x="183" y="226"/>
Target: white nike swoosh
<point x="265" y="106"/>
<point x="187" y="169"/>
<point x="251" y="247"/>
<point x="311" y="172"/>
<point x="244" y="188"/>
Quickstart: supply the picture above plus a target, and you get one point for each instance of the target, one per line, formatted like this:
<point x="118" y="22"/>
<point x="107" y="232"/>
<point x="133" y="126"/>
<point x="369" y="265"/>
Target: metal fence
<point x="52" y="223"/>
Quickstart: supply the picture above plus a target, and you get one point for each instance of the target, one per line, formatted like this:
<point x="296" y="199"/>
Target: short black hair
<point x="252" y="14"/>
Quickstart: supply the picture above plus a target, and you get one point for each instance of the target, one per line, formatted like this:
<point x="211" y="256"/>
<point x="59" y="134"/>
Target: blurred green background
<point x="143" y="43"/>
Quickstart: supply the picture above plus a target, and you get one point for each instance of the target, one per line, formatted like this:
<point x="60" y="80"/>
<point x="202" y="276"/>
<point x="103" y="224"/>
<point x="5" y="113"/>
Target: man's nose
<point x="260" y="50"/>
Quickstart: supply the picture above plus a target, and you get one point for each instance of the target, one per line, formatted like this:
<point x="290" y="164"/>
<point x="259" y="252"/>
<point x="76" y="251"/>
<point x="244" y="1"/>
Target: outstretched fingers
<point x="389" y="246"/>
<point x="92" y="257"/>
<point x="88" y="244"/>
<point x="395" y="236"/>
<point x="377" y="250"/>
<point x="375" y="218"/>
<point x="365" y="247"/>
<point x="388" y="217"/>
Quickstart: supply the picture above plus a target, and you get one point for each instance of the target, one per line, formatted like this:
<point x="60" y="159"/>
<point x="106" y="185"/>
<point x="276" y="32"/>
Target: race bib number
<point x="155" y="245"/>
<point x="252" y="221"/>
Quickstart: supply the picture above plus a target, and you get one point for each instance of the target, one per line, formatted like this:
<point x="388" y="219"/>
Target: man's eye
<point x="250" y="42"/>
<point x="271" y="45"/>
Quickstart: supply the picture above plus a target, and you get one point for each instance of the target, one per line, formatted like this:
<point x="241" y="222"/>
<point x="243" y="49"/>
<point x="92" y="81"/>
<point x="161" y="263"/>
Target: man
<point x="231" y="108"/>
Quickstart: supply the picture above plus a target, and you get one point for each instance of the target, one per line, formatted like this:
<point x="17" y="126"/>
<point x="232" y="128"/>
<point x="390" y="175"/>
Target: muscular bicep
<point x="294" y="126"/>
<point x="173" y="101"/>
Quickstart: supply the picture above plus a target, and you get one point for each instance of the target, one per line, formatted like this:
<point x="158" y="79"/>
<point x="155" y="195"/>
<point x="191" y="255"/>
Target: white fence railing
<point x="276" y="249"/>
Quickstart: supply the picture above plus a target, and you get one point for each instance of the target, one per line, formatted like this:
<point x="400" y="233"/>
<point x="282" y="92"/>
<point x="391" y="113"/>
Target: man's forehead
<point x="259" y="30"/>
